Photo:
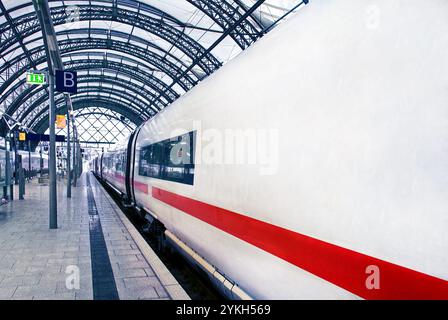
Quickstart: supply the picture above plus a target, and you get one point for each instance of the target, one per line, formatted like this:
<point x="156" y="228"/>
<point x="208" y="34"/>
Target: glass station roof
<point x="149" y="51"/>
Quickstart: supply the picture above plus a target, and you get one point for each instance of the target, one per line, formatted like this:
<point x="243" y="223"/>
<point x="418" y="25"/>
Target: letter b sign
<point x="66" y="81"/>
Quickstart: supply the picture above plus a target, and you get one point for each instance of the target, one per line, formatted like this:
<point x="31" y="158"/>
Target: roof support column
<point x="51" y="49"/>
<point x="52" y="157"/>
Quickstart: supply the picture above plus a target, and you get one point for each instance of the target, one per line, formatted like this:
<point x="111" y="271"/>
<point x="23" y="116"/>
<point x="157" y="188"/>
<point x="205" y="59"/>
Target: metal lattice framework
<point x="26" y="95"/>
<point x="101" y="124"/>
<point x="133" y="73"/>
<point x="40" y="116"/>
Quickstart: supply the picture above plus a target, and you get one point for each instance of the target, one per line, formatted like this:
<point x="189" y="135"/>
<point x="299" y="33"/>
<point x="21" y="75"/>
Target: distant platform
<point x="95" y="254"/>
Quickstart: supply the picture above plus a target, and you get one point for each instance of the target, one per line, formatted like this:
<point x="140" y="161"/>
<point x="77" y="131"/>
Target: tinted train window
<point x="171" y="159"/>
<point x="120" y="162"/>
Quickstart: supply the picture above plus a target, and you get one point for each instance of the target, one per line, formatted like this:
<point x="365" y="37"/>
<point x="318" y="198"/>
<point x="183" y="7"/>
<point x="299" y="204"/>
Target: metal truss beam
<point x="14" y="33"/>
<point x="99" y="124"/>
<point x="225" y="15"/>
<point x="78" y="44"/>
<point x="28" y="93"/>
<point x="101" y="33"/>
<point x="252" y="16"/>
<point x="137" y="73"/>
<point x="155" y="25"/>
<point x="41" y="107"/>
<point x="223" y="36"/>
<point x="86" y="114"/>
<point x="95" y="142"/>
<point x="21" y="108"/>
<point x="42" y="123"/>
<point x="18" y="66"/>
<point x="235" y="20"/>
<point x="151" y="58"/>
<point x="222" y="12"/>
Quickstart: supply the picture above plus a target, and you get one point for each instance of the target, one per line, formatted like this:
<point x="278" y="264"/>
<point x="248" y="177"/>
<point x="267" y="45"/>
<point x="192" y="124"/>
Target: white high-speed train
<point x="315" y="164"/>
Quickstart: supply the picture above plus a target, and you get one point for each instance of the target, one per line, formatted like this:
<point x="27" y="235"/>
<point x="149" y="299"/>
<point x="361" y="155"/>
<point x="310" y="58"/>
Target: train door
<point x="130" y="156"/>
<point x="101" y="166"/>
<point x="129" y="177"/>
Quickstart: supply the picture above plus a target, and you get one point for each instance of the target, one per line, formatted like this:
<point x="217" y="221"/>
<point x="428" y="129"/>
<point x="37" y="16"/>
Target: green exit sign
<point x="35" y="78"/>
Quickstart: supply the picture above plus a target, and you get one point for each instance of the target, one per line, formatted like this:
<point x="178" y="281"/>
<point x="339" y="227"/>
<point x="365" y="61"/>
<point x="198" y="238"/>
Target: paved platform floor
<point x="39" y="263"/>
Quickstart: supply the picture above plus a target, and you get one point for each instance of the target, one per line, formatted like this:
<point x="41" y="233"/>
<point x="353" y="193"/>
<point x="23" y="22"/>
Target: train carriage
<point x="339" y="189"/>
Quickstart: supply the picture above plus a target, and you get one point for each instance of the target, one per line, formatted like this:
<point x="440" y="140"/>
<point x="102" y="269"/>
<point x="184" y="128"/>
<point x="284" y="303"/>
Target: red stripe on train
<point x="119" y="177"/>
<point x="142" y="187"/>
<point x="114" y="176"/>
<point x="340" y="266"/>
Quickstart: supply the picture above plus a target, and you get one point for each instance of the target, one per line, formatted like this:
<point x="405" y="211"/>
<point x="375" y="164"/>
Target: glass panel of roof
<point x="21" y="7"/>
<point x="33" y="37"/>
<point x="35" y="43"/>
<point x="180" y="9"/>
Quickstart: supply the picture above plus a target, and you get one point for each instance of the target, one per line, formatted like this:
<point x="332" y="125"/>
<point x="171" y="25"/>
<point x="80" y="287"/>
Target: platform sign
<point x="22" y="136"/>
<point x="35" y="78"/>
<point x="60" y="121"/>
<point x="66" y="81"/>
<point x="44" y="137"/>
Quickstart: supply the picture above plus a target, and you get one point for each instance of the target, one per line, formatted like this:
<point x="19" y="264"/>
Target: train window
<point x="120" y="160"/>
<point x="171" y="159"/>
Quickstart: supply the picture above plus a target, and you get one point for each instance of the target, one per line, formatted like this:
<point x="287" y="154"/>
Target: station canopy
<point x="133" y="58"/>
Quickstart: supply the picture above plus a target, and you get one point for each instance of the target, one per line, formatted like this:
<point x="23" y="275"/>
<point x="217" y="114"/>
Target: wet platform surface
<point x="95" y="253"/>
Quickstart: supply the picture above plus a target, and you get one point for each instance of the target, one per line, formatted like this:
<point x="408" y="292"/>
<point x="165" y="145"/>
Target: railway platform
<point x="95" y="254"/>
